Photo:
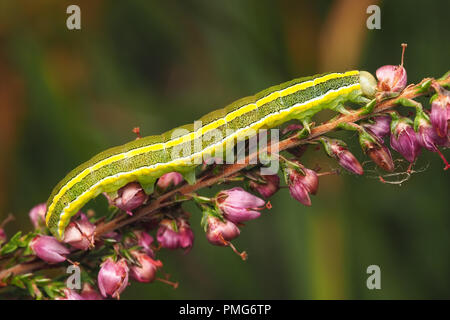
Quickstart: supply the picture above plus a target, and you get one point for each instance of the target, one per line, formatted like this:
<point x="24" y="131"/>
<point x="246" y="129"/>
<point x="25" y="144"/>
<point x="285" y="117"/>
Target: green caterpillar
<point x="146" y="159"/>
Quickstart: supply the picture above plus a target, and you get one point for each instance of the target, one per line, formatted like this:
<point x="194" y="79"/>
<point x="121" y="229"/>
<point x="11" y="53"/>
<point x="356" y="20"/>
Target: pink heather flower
<point x="404" y="140"/>
<point x="80" y="233"/>
<point x="169" y="180"/>
<point x="219" y="233"/>
<point x="391" y="78"/>
<point x="37" y="215"/>
<point x="130" y="197"/>
<point x="440" y="114"/>
<point x="3" y="237"/>
<point x="270" y="187"/>
<point x="70" y="295"/>
<point x="113" y="278"/>
<point x="346" y="159"/>
<point x="49" y="249"/>
<point x="238" y="205"/>
<point x="301" y="185"/>
<point x="427" y="136"/>
<point x="90" y="293"/>
<point x="186" y="235"/>
<point x="174" y="234"/>
<point x="147" y="271"/>
<point x="144" y="240"/>
<point x="380" y="128"/>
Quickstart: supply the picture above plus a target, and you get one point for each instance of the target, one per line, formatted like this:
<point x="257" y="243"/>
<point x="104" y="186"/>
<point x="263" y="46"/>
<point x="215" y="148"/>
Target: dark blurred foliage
<point x="66" y="95"/>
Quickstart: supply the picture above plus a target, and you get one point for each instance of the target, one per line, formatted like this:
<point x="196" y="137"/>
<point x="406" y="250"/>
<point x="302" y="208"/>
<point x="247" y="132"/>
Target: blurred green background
<point x="67" y="95"/>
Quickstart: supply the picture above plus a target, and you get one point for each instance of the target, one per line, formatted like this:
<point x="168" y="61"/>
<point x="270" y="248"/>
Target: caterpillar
<point x="145" y="160"/>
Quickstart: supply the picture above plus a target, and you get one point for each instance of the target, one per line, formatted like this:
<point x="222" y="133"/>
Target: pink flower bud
<point x="219" y="233"/>
<point x="89" y="293"/>
<point x="404" y="140"/>
<point x="144" y="240"/>
<point x="37" y="215"/>
<point x="440" y="114"/>
<point x="147" y="271"/>
<point x="70" y="295"/>
<point x="174" y="234"/>
<point x="3" y="237"/>
<point x="270" y="187"/>
<point x="169" y="180"/>
<point x="80" y="233"/>
<point x="427" y="136"/>
<point x="49" y="249"/>
<point x="186" y="235"/>
<point x="238" y="205"/>
<point x="380" y="128"/>
<point x="130" y="197"/>
<point x="346" y="159"/>
<point x="391" y="78"/>
<point x="301" y="185"/>
<point x="113" y="278"/>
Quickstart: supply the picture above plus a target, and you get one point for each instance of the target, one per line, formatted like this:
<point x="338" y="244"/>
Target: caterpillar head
<point x="368" y="84"/>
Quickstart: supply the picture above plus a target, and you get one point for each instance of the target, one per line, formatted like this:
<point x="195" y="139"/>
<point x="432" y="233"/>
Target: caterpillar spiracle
<point x="145" y="160"/>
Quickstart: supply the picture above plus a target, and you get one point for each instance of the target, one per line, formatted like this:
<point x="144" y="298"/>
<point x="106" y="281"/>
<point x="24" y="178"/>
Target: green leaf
<point x="424" y="87"/>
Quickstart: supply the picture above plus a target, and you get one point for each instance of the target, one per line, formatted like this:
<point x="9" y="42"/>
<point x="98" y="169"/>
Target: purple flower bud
<point x="299" y="193"/>
<point x="37" y="215"/>
<point x="146" y="272"/>
<point x="80" y="233"/>
<point x="270" y="187"/>
<point x="144" y="240"/>
<point x="90" y="293"/>
<point x="345" y="158"/>
<point x="167" y="235"/>
<point x="169" y="180"/>
<point x="130" y="197"/>
<point x="380" y="128"/>
<point x="391" y="78"/>
<point x="70" y="295"/>
<point x="113" y="278"/>
<point x="440" y="114"/>
<point x="382" y="157"/>
<point x="219" y="233"/>
<point x="238" y="205"/>
<point x="3" y="237"/>
<point x="49" y="249"/>
<point x="186" y="234"/>
<point x="174" y="234"/>
<point x="302" y="184"/>
<point x="404" y="140"/>
<point x="427" y="136"/>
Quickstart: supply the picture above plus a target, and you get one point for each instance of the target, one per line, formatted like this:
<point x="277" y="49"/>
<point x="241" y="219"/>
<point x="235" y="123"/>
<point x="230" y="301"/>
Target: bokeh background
<point x="66" y="95"/>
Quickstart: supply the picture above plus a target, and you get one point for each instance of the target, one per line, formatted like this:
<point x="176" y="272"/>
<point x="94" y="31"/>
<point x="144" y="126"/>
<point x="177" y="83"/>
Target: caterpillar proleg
<point x="146" y="159"/>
